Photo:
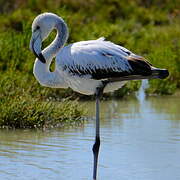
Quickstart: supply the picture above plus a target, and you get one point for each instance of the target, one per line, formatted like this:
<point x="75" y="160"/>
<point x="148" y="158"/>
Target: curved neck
<point x="61" y="37"/>
<point x="41" y="70"/>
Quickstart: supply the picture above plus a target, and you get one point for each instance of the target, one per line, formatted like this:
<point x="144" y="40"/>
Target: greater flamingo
<point x="88" y="67"/>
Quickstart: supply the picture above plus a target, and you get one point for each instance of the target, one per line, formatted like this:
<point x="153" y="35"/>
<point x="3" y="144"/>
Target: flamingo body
<point x="85" y="64"/>
<point x="88" y="67"/>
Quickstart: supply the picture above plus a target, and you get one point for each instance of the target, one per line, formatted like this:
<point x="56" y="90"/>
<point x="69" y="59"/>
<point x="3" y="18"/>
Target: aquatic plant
<point x="23" y="104"/>
<point x="27" y="112"/>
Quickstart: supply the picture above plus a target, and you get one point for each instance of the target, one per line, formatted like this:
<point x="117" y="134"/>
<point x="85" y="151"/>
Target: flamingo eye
<point x="36" y="28"/>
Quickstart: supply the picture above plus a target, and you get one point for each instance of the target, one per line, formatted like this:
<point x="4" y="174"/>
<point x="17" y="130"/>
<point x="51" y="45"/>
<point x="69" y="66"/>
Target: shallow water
<point x="140" y="141"/>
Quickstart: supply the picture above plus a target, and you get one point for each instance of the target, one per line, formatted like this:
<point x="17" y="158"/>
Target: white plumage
<point x="81" y="66"/>
<point x="78" y="63"/>
<point x="84" y="65"/>
<point x="88" y="67"/>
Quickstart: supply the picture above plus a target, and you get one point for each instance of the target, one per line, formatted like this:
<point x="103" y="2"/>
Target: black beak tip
<point x="41" y="58"/>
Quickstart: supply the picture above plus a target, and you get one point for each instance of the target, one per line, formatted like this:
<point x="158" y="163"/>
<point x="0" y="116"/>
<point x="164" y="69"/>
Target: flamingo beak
<point x="35" y="46"/>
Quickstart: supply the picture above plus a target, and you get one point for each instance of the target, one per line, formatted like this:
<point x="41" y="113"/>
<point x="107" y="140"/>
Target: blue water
<point x="139" y="141"/>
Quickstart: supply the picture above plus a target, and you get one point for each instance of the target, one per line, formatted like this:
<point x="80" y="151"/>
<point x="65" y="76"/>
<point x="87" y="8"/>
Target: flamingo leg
<point x="97" y="137"/>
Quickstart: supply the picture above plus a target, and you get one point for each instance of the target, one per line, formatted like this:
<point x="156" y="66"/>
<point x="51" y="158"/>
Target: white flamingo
<point x="88" y="67"/>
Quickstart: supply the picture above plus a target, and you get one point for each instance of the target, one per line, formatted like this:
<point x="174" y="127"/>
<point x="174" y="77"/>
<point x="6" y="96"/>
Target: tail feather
<point x="160" y="73"/>
<point x="142" y="67"/>
<point x="142" y="70"/>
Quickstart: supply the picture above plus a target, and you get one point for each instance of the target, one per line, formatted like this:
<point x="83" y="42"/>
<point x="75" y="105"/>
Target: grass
<point x="148" y="28"/>
<point x="25" y="112"/>
<point x="25" y="104"/>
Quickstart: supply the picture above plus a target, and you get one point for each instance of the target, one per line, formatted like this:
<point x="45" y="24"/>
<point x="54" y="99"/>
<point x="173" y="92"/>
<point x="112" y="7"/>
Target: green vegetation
<point x="148" y="28"/>
<point x="23" y="105"/>
<point x="26" y="112"/>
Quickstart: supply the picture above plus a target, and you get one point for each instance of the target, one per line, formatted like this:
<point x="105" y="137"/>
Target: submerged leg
<point x="97" y="138"/>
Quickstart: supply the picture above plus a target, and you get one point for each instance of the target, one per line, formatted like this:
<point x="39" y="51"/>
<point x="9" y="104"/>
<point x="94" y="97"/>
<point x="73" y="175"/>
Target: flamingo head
<point x="42" y="25"/>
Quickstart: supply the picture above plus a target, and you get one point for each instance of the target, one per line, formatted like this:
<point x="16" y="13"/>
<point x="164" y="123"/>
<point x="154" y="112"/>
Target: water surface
<point x="140" y="141"/>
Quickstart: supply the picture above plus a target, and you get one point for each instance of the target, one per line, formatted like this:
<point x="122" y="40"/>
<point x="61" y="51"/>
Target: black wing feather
<point x="139" y="66"/>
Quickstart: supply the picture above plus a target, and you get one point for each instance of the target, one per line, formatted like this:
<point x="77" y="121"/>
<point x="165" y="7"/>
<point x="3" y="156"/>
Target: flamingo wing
<point x="100" y="59"/>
